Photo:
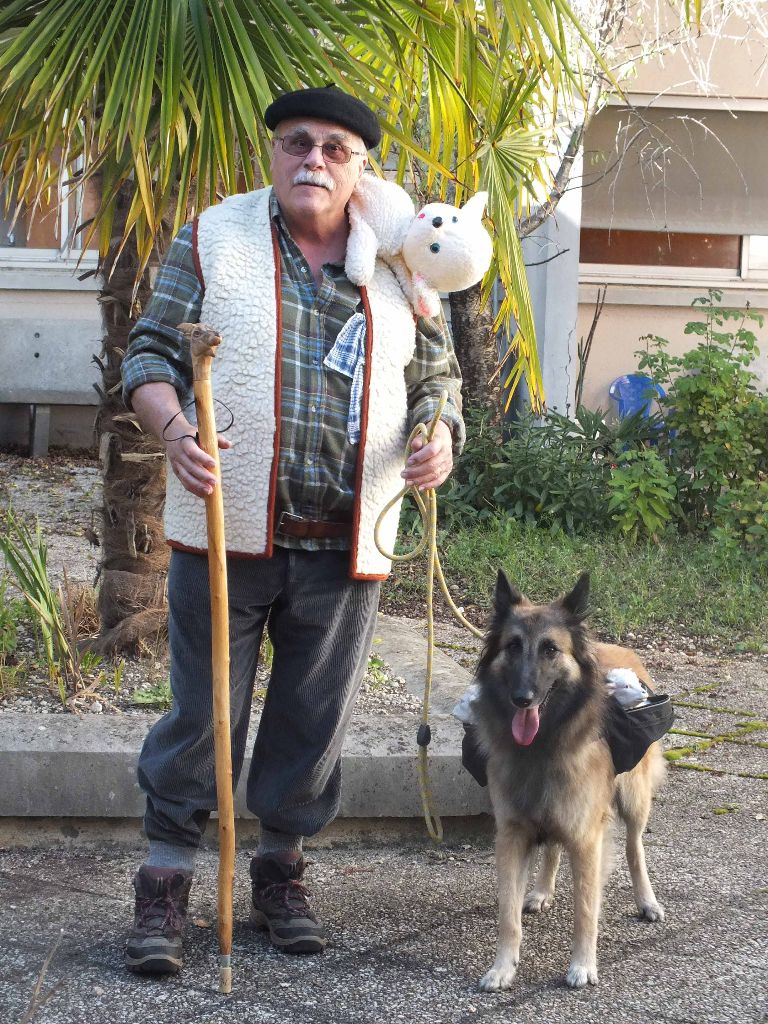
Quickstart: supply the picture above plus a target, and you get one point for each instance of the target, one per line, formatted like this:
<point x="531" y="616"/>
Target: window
<point x="754" y="257"/>
<point x="47" y="237"/>
<point x="661" y="249"/>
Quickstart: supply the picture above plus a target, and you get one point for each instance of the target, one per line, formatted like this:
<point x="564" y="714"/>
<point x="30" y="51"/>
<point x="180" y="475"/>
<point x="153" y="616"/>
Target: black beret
<point x="328" y="104"/>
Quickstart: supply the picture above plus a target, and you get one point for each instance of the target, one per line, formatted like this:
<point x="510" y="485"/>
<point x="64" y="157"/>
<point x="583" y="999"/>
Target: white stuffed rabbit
<point x="441" y="248"/>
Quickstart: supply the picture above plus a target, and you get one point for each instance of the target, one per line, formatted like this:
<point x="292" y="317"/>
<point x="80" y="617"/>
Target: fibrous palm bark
<point x="134" y="558"/>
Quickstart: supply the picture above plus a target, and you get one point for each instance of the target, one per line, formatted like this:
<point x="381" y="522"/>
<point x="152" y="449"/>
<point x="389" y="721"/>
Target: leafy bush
<point x="741" y="518"/>
<point x="11" y="615"/>
<point x="643" y="494"/>
<point x="27" y="559"/>
<point x="553" y="473"/>
<point x="702" y="465"/>
<point x="717" y="421"/>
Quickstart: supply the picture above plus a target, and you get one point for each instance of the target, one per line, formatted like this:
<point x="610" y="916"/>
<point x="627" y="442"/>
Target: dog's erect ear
<point x="506" y="595"/>
<point x="577" y="602"/>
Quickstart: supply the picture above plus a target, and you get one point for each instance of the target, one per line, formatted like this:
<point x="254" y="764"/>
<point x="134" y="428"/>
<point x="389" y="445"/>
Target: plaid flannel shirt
<point x="316" y="470"/>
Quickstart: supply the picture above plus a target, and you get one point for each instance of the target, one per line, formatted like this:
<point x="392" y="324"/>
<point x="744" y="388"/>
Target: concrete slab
<point x="62" y="765"/>
<point x="406" y="654"/>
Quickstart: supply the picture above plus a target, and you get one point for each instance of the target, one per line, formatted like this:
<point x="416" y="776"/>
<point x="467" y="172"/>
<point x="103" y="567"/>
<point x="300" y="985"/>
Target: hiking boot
<point x="154" y="945"/>
<point x="280" y="905"/>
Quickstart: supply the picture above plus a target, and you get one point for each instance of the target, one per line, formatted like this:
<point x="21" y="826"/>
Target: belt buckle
<point x="286" y="517"/>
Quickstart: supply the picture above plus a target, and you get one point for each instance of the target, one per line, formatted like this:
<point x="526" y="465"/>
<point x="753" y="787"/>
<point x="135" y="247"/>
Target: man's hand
<point x="157" y="406"/>
<point x="193" y="466"/>
<point x="430" y="464"/>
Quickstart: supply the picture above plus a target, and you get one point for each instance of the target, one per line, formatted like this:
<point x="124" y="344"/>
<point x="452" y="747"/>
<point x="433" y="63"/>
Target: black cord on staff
<point x="196" y="435"/>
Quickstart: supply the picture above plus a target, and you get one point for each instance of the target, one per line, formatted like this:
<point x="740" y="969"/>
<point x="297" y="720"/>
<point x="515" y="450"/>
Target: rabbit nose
<point x="436" y="222"/>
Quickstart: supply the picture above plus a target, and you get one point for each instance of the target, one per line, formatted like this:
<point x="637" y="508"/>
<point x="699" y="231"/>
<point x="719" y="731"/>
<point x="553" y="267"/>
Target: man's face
<point x="312" y="185"/>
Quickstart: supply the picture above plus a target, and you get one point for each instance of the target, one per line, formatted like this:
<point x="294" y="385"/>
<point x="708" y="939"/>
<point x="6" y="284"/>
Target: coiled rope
<point x="427" y="505"/>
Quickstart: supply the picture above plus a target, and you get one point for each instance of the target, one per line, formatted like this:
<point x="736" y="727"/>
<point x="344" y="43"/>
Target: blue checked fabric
<point x="348" y="357"/>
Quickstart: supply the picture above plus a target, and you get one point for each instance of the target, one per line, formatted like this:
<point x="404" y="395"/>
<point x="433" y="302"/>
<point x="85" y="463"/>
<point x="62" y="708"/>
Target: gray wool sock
<point x="277" y="842"/>
<point x="168" y="855"/>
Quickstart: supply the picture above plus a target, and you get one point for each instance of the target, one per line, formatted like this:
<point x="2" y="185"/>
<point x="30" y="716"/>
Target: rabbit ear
<point x="476" y="205"/>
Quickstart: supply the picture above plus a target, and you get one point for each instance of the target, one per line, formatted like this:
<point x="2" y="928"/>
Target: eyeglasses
<point x="300" y="143"/>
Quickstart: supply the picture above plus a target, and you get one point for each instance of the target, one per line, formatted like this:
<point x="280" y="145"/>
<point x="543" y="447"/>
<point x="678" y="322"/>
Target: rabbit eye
<point x="455" y="220"/>
<point x="435" y="247"/>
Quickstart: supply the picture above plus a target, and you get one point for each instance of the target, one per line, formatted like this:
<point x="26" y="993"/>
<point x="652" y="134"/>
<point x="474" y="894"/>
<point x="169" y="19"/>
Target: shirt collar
<point x="276" y="214"/>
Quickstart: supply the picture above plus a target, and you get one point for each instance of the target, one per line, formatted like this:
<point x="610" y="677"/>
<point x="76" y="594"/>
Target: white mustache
<point x="315" y="178"/>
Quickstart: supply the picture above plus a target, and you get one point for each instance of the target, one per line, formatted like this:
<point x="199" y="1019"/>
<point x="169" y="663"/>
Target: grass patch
<point x="668" y="584"/>
<point x="155" y="695"/>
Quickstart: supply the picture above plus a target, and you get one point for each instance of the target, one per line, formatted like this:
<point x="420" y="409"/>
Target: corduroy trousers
<point x="321" y="625"/>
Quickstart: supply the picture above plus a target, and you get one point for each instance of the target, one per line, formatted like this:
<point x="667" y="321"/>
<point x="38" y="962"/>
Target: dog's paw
<point x="580" y="975"/>
<point x="535" y="902"/>
<point x="651" y="911"/>
<point x="498" y="978"/>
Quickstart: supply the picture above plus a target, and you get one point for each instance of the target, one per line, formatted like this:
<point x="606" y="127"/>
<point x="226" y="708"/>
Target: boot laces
<point x="291" y="894"/>
<point x="156" y="913"/>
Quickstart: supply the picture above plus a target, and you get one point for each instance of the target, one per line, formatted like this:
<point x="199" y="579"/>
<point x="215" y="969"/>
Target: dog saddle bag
<point x="628" y="732"/>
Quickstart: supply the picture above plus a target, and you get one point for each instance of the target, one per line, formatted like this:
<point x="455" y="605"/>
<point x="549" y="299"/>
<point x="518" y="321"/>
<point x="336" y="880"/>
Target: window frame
<point x="69" y="256"/>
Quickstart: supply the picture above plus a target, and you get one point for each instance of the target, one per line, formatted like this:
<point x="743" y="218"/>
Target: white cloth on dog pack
<point x="625" y="686"/>
<point x="464" y="710"/>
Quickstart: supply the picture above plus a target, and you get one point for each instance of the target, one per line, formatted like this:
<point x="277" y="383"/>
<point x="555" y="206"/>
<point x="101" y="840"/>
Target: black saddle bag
<point x="628" y="732"/>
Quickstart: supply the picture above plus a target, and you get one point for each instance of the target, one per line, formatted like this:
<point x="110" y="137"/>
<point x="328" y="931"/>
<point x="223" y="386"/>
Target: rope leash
<point x="428" y="510"/>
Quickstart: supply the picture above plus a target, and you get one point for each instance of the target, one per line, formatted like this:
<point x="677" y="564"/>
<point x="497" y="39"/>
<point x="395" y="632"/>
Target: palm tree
<point x="160" y="103"/>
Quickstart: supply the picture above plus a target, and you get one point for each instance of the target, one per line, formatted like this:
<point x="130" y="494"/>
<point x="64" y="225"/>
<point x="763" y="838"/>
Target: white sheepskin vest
<point x="240" y="266"/>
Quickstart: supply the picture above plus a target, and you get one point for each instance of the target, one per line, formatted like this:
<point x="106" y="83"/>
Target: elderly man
<point x="324" y="381"/>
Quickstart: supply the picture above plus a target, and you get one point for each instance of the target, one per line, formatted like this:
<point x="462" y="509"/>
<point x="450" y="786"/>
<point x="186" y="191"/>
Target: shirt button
<point x="307" y="462"/>
<point x="313" y="408"/>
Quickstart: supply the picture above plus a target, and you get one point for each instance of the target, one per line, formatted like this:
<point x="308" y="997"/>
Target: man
<point x="325" y="381"/>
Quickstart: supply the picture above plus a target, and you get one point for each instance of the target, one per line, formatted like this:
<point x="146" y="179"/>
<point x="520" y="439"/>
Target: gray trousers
<point x="321" y="625"/>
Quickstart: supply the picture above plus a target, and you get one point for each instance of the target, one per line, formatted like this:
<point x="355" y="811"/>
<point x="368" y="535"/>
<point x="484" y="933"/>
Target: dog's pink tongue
<point x="525" y="725"/>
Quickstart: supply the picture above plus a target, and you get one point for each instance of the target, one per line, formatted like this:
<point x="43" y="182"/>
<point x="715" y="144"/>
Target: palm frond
<point x="167" y="97"/>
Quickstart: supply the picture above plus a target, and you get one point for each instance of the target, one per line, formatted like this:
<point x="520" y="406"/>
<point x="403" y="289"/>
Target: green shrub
<point x="717" y="421"/>
<point x="26" y="556"/>
<point x="643" y="494"/>
<point x="741" y="518"/>
<point x="553" y="473"/>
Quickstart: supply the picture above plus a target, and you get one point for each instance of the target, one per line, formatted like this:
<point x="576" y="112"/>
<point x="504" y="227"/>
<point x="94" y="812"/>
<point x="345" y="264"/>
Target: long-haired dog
<point x="542" y="716"/>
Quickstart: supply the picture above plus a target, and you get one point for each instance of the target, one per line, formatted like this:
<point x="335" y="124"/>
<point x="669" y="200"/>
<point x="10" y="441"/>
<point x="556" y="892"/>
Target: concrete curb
<point x="64" y="766"/>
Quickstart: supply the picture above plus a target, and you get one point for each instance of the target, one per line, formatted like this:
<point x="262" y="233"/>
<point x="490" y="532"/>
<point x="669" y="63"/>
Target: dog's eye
<point x="515" y="645"/>
<point x="548" y="649"/>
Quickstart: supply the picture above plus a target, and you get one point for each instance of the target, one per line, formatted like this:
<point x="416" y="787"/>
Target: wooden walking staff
<point x="203" y="342"/>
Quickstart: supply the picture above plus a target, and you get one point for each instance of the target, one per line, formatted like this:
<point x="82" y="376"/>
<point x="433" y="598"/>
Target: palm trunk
<point x="134" y="559"/>
<point x="475" y="344"/>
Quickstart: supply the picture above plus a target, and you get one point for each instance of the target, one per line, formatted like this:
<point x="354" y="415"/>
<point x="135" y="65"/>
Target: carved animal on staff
<point x="442" y="248"/>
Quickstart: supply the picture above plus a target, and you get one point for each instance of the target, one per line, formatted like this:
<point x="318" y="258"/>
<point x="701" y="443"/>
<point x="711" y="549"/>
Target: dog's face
<point x="532" y="651"/>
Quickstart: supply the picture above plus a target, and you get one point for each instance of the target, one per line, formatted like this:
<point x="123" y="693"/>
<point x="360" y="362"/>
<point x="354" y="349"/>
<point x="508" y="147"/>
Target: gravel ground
<point x="63" y="494"/>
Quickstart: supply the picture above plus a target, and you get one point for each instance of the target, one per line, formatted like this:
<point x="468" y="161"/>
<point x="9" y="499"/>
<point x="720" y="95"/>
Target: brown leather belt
<point x="291" y="525"/>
